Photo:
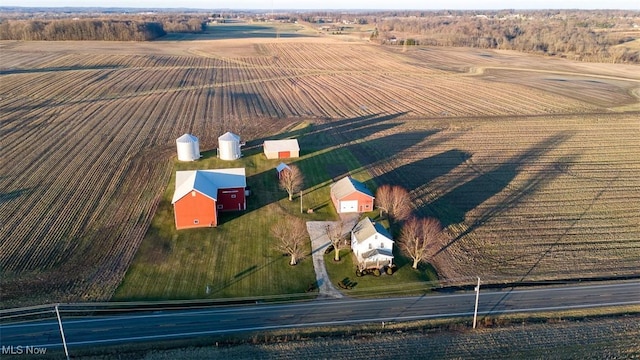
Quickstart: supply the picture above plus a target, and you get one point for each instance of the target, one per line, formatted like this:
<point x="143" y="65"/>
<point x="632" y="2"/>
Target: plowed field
<point x="534" y="179"/>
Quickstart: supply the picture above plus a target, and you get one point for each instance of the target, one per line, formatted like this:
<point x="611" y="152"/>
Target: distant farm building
<point x="188" y="148"/>
<point x="372" y="244"/>
<point x="201" y="194"/>
<point x="351" y="196"/>
<point x="281" y="149"/>
<point x="229" y="146"/>
<point x="280" y="168"/>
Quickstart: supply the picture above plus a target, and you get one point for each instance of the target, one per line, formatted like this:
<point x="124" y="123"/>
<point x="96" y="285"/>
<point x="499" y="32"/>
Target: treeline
<point x="98" y="29"/>
<point x="57" y="30"/>
<point x="181" y="23"/>
<point x="589" y="35"/>
<point x="582" y="39"/>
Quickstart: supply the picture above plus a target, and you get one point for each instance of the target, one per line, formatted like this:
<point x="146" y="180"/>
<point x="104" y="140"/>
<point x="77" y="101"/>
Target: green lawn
<point x="235" y="259"/>
<point x="404" y="281"/>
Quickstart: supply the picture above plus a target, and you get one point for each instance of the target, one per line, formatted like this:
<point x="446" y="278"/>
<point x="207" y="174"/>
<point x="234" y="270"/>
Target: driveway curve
<point x="319" y="242"/>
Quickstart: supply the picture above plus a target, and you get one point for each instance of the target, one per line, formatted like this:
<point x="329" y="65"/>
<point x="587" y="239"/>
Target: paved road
<point x="225" y="320"/>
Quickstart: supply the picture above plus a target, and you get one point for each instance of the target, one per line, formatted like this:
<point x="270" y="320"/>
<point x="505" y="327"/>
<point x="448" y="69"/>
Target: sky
<point x="337" y="4"/>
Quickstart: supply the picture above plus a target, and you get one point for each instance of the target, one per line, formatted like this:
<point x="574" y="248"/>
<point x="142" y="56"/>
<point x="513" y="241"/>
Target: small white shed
<point x="281" y="149"/>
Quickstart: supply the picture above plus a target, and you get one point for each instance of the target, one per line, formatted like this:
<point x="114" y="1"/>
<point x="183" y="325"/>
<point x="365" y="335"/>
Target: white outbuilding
<point x="229" y="146"/>
<point x="281" y="149"/>
<point x="188" y="148"/>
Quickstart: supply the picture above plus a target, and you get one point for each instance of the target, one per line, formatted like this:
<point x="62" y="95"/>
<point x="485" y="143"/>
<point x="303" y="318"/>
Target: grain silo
<point x="229" y="146"/>
<point x="188" y="148"/>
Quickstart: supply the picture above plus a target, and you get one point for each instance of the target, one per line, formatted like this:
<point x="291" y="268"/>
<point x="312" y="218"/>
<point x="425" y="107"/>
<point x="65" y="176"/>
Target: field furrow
<point x="533" y="180"/>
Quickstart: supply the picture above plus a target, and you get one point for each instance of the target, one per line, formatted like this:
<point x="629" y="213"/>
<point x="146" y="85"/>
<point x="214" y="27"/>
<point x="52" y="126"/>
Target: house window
<point x="381" y="245"/>
<point x="366" y="206"/>
<point x="233" y="196"/>
<point x="370" y="246"/>
<point x="196" y="221"/>
<point x="220" y="207"/>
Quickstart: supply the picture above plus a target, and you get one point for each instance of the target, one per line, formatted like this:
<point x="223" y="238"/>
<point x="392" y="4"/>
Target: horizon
<point x="334" y="5"/>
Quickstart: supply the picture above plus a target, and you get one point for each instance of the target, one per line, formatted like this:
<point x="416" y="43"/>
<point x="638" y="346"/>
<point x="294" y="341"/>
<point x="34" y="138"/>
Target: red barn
<point x="351" y="196"/>
<point x="201" y="194"/>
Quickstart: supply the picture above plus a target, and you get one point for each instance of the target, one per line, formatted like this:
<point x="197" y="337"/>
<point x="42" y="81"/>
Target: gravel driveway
<point x="319" y="242"/>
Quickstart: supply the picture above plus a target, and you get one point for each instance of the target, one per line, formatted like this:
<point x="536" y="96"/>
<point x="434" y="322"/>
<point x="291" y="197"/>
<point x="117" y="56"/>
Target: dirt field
<point x="607" y="338"/>
<point x="531" y="162"/>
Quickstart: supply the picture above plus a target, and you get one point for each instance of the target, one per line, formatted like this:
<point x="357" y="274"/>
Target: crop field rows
<point x="83" y="172"/>
<point x="533" y="341"/>
<point x="524" y="198"/>
<point x="87" y="141"/>
<point x="414" y="89"/>
<point x="602" y="338"/>
<point x="609" y="93"/>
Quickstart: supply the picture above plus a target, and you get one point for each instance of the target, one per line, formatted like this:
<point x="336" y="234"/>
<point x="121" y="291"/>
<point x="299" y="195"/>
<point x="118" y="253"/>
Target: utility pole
<point x="301" y="212"/>
<point x="475" y="313"/>
<point x="64" y="341"/>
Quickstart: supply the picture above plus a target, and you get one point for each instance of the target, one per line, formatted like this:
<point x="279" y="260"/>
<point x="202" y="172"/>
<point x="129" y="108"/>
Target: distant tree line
<point x="143" y="29"/>
<point x="584" y="39"/>
<point x="55" y="30"/>
<point x="182" y="23"/>
<point x="588" y="35"/>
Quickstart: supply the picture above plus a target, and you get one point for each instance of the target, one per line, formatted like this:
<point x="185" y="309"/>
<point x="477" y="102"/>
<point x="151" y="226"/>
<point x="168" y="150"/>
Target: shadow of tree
<point x="59" y="68"/>
<point x="219" y="287"/>
<point x="326" y="133"/>
<point x="414" y="175"/>
<point x="12" y="195"/>
<point x="320" y="165"/>
<point x="567" y="230"/>
<point x="453" y="207"/>
<point x="425" y="270"/>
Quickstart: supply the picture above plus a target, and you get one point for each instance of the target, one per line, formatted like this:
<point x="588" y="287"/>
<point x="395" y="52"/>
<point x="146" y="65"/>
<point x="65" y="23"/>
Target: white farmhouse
<point x="372" y="244"/>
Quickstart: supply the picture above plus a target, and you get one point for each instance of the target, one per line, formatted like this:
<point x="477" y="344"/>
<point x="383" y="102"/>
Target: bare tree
<point x="291" y="180"/>
<point x="395" y="201"/>
<point x="334" y="233"/>
<point x="291" y="235"/>
<point x="418" y="239"/>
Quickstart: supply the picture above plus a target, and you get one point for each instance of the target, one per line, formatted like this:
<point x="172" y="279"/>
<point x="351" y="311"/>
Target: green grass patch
<point x="405" y="281"/>
<point x="244" y="30"/>
<point x="237" y="259"/>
